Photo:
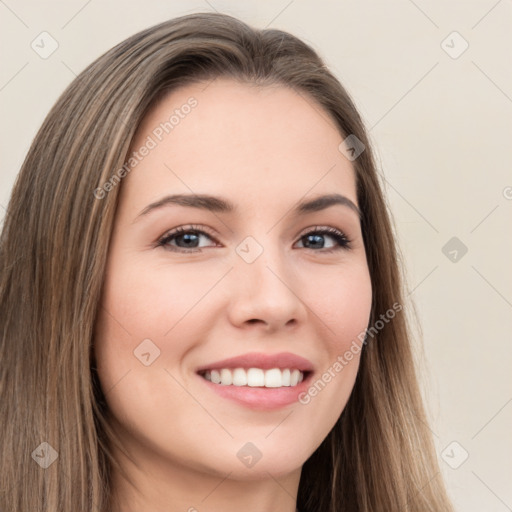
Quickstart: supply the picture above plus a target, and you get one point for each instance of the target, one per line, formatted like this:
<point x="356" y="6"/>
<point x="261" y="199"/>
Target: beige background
<point x="441" y="127"/>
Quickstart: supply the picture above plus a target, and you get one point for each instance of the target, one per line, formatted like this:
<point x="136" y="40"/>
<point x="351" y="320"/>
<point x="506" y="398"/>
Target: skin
<point x="264" y="149"/>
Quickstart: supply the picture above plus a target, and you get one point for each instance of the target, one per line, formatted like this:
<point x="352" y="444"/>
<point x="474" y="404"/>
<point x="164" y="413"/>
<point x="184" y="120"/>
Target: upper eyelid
<point x="186" y="229"/>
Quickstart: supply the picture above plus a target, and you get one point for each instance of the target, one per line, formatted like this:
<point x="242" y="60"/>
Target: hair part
<point x="53" y="252"/>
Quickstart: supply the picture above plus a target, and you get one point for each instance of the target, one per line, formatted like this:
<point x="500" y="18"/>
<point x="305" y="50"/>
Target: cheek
<point x="343" y="305"/>
<point x="149" y="313"/>
<point x="343" y="302"/>
<point x="140" y="338"/>
<point x="147" y="302"/>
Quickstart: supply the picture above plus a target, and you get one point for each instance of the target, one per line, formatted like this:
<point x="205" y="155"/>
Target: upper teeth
<point x="255" y="377"/>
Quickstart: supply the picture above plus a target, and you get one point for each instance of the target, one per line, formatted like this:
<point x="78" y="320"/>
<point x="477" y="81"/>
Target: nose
<point x="265" y="293"/>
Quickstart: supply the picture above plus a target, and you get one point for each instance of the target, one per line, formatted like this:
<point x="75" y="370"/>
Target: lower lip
<point x="260" y="397"/>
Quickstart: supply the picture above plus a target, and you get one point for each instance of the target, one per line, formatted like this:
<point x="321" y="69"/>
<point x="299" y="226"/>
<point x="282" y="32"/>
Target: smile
<point x="254" y="377"/>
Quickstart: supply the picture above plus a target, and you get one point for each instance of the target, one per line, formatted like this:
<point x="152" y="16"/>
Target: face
<point x="190" y="285"/>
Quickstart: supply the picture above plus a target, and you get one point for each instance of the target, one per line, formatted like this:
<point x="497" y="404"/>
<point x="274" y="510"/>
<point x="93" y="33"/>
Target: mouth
<point x="257" y="388"/>
<point x="257" y="380"/>
<point x="255" y="377"/>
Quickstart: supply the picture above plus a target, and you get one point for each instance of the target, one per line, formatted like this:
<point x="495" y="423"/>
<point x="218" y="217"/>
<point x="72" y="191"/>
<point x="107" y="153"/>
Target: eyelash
<point x="338" y="236"/>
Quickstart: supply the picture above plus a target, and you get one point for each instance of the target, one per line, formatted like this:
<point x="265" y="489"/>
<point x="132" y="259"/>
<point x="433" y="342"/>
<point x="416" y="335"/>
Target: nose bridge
<point x="257" y="258"/>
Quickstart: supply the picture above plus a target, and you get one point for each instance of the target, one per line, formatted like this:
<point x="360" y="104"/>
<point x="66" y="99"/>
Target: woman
<point x="269" y="368"/>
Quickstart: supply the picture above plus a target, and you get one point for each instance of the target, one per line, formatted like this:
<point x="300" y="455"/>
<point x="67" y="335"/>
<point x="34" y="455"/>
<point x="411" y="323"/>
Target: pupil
<point x="318" y="239"/>
<point x="188" y="238"/>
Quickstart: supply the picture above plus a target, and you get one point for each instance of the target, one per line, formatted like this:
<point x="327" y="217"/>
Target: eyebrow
<point x="219" y="205"/>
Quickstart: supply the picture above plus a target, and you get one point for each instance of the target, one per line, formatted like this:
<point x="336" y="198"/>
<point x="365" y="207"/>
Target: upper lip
<point x="281" y="360"/>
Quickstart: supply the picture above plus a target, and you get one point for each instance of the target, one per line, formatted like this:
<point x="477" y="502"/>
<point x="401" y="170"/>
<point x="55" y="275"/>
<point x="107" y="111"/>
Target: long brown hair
<point x="53" y="248"/>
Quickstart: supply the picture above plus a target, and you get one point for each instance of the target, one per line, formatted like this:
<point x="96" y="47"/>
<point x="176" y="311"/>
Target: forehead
<point x="248" y="142"/>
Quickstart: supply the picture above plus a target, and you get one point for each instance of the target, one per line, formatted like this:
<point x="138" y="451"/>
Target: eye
<point x="186" y="239"/>
<point x="188" y="236"/>
<point x="317" y="237"/>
